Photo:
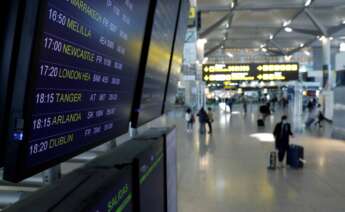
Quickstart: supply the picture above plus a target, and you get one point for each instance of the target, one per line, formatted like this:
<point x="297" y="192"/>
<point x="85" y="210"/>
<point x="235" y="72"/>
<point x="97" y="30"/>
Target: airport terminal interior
<point x="172" y="106"/>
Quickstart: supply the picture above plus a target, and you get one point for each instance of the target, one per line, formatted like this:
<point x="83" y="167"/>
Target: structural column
<point x="326" y="62"/>
<point x="327" y="99"/>
<point x="200" y="84"/>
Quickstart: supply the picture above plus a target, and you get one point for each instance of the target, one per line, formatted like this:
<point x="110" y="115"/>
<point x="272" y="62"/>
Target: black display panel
<point x="151" y="178"/>
<point x="146" y="157"/>
<point x="81" y="80"/>
<point x="157" y="66"/>
<point x="169" y="137"/>
<point x="108" y="190"/>
<point x="177" y="57"/>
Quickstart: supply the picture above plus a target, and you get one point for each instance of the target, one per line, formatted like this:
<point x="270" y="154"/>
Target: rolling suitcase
<point x="272" y="162"/>
<point x="261" y="123"/>
<point x="295" y="156"/>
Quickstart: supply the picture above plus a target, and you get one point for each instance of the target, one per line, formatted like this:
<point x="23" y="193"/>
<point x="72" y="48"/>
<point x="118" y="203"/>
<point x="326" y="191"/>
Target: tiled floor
<point x="226" y="171"/>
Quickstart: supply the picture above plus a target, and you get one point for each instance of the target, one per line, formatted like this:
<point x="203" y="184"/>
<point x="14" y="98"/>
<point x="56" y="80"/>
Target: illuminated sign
<point x="192" y="12"/>
<point x="250" y="72"/>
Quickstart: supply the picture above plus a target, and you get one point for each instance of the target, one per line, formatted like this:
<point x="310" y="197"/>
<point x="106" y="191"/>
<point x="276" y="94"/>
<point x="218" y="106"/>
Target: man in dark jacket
<point x="282" y="133"/>
<point x="203" y="119"/>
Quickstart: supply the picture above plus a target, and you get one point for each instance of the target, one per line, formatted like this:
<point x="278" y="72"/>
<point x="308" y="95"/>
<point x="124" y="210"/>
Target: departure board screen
<point x="177" y="57"/>
<point x="158" y="60"/>
<point x="83" y="73"/>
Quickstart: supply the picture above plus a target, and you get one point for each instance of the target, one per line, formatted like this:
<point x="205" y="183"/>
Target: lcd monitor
<point x="147" y="161"/>
<point x="169" y="137"/>
<point x="157" y="67"/>
<point x="74" y="89"/>
<point x="105" y="191"/>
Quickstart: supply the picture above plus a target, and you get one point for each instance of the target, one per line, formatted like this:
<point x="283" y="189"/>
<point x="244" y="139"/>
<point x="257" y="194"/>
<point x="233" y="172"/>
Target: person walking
<point x="282" y="133"/>
<point x="310" y="105"/>
<point x="228" y="102"/>
<point x="274" y="102"/>
<point x="203" y="118"/>
<point x="245" y="104"/>
<point x="285" y="101"/>
<point x="189" y="118"/>
<point x="209" y="119"/>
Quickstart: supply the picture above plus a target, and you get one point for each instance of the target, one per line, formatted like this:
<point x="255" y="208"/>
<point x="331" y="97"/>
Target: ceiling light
<point x="232" y="5"/>
<point x="224" y="38"/>
<point x="222" y="46"/>
<point x="271" y="37"/>
<point x="307" y="53"/>
<point x="227" y="25"/>
<point x="307" y="3"/>
<point x="288" y="29"/>
<point x="331" y="38"/>
<point x="343" y="22"/>
<point x="205" y="60"/>
<point x="322" y="38"/>
<point x="230" y="55"/>
<point x="262" y="45"/>
<point x="264" y="49"/>
<point x="202" y="41"/>
<point x="286" y="23"/>
<point x="301" y="45"/>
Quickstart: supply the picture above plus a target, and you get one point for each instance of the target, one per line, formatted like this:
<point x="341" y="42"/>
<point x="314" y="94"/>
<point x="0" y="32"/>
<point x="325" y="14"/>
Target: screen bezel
<point x="10" y="23"/>
<point x="17" y="170"/>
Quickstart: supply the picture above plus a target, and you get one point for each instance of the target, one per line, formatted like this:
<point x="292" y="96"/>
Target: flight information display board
<point x="177" y="57"/>
<point x="250" y="72"/>
<point x="158" y="61"/>
<point x="82" y="78"/>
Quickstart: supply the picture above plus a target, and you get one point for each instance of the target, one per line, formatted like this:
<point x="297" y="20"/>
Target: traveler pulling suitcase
<point x="295" y="156"/>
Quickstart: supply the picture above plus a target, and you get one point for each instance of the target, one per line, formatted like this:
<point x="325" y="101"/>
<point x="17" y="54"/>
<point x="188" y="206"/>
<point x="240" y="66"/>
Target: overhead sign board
<point x="250" y="72"/>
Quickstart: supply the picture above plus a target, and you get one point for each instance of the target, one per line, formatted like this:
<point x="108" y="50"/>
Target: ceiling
<point x="251" y="23"/>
